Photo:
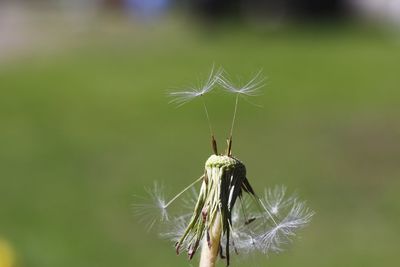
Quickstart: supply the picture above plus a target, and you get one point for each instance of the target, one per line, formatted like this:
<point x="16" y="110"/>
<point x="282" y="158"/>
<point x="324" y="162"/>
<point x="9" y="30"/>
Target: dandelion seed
<point x="182" y="97"/>
<point x="251" y="88"/>
<point x="150" y="213"/>
<point x="298" y="217"/>
<point x="157" y="209"/>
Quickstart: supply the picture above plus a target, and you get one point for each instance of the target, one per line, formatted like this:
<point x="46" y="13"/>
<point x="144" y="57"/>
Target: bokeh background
<point x="85" y="123"/>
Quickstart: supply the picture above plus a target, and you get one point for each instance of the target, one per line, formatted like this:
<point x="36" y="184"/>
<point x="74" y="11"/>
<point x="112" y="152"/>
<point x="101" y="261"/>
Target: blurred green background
<point x="86" y="127"/>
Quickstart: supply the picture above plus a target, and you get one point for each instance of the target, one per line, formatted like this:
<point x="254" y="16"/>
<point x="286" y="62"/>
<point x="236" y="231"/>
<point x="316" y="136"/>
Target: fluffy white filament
<point x="251" y="88"/>
<point x="156" y="210"/>
<point x="255" y="230"/>
<point x="182" y="97"/>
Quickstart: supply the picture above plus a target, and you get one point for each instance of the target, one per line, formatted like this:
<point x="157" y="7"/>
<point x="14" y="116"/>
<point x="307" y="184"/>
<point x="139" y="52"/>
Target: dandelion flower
<point x="7" y="254"/>
<point x="227" y="215"/>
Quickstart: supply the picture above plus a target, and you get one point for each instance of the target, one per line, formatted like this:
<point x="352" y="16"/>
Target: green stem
<point x="209" y="254"/>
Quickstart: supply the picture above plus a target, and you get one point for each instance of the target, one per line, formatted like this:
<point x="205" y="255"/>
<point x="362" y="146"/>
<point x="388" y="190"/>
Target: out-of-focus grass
<point x="83" y="131"/>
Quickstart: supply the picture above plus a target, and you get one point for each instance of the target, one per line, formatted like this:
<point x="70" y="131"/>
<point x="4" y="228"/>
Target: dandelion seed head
<point x="263" y="223"/>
